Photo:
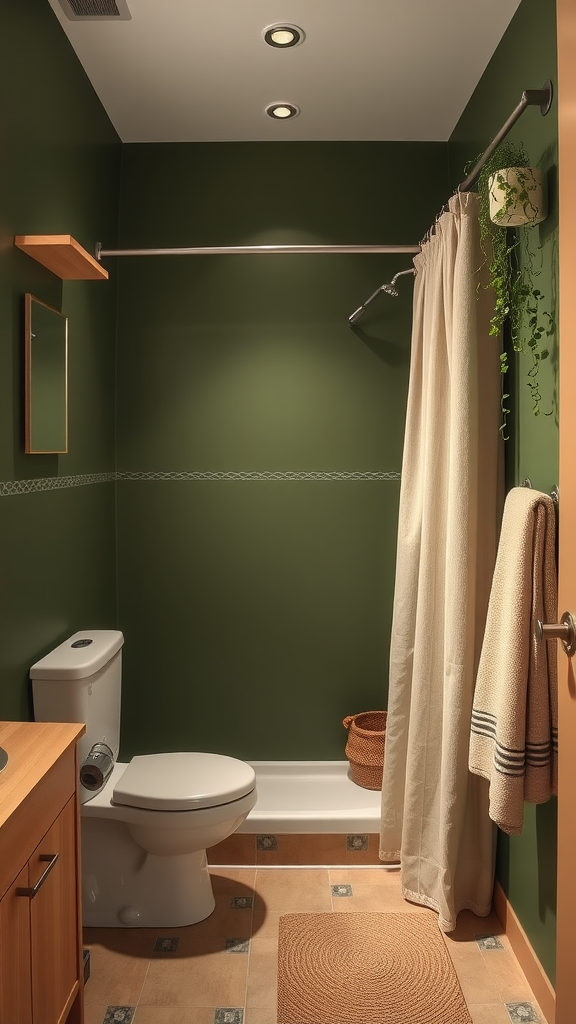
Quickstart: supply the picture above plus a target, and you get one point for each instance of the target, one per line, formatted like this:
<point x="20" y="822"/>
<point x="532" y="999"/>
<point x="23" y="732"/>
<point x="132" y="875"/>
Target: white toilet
<point x="145" y="825"/>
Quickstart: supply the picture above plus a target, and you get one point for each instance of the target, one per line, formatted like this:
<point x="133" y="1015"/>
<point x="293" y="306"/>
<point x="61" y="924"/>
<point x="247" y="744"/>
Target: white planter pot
<point x="517" y="196"/>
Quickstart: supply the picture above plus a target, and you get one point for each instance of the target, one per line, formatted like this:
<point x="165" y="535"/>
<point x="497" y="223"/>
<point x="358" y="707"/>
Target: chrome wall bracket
<point x="565" y="630"/>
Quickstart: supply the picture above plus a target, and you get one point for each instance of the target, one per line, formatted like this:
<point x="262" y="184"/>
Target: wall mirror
<point x="46" y="374"/>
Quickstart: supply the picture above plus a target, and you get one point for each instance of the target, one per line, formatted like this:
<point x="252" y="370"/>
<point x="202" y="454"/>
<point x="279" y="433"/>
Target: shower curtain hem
<point x="444" y="924"/>
<point x="390" y="855"/>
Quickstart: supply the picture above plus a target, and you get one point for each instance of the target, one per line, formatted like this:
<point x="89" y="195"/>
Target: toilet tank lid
<point x="80" y="655"/>
<point x="183" y="781"/>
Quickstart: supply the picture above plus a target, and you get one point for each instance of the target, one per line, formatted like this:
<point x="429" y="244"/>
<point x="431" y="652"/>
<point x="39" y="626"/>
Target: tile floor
<point x="223" y="970"/>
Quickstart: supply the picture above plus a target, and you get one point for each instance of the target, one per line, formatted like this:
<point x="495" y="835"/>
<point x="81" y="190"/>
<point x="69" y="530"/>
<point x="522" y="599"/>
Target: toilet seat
<point x="183" y="781"/>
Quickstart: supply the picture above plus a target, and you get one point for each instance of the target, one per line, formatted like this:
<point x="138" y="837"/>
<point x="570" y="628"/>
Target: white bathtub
<point x="310" y="797"/>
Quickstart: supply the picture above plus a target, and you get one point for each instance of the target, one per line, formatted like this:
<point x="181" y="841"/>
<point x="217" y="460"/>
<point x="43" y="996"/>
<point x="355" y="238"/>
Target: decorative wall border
<point x="266" y="476"/>
<point x="54" y="483"/>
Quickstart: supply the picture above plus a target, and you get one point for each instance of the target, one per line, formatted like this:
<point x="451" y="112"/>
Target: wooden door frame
<point x="566" y="902"/>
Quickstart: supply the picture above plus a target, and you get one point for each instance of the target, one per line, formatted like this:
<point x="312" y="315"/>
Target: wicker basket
<point x="365" y="747"/>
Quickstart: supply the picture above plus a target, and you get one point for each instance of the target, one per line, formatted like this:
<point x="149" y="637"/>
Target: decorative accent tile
<point x="267" y="842"/>
<point x="229" y="1015"/>
<point x="165" y="945"/>
<point x="237" y="945"/>
<point x="241" y="902"/>
<point x="488" y="942"/>
<point x="522" y="1013"/>
<point x="119" y="1015"/>
<point x="341" y="890"/>
<point x="357" y="842"/>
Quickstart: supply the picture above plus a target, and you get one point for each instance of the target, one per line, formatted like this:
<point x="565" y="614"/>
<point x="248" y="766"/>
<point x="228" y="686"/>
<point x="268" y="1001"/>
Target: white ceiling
<point x="199" y="70"/>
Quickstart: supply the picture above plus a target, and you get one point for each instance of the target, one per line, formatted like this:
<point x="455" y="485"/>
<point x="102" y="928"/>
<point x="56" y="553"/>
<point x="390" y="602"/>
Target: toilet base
<point x="125" y="887"/>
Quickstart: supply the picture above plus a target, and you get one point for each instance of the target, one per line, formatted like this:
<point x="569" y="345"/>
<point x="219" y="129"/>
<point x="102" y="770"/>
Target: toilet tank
<point x="80" y="681"/>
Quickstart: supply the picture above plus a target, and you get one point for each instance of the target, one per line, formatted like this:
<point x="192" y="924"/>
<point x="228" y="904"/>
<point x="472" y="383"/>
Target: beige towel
<point x="514" y="737"/>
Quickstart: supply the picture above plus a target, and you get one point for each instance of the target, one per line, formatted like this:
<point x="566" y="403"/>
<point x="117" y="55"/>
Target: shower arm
<point x="355" y="316"/>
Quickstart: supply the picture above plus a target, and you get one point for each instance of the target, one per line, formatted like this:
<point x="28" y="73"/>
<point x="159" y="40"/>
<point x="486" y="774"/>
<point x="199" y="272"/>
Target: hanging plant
<point x="511" y="195"/>
<point x="517" y="197"/>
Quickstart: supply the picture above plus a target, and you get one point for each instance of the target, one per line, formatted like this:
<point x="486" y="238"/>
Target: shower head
<point x="389" y="289"/>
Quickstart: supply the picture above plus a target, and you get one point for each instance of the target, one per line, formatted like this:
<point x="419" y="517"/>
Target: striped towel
<point x="514" y="736"/>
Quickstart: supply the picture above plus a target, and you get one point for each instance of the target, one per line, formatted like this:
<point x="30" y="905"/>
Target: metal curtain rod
<point x="246" y="250"/>
<point x="531" y="97"/>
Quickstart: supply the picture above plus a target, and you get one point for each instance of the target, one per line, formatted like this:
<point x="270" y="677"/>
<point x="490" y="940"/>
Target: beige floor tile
<point x="260" y="1015"/>
<point x="187" y="986"/>
<point x="374" y="899"/>
<point x="265" y="936"/>
<point x="262" y="988"/>
<point x="488" y="926"/>
<point x="507" y="976"/>
<point x="292" y="892"/>
<point x="115" y="977"/>
<point x="467" y="953"/>
<point x="476" y="982"/>
<point x="466" y="927"/>
<point x="174" y="1015"/>
<point x="469" y="925"/>
<point x="365" y="876"/>
<point x="94" y="1013"/>
<point x="132" y="941"/>
<point x="488" y="1013"/>
<point x="225" y="922"/>
<point x="218" y="979"/>
<point x="233" y="881"/>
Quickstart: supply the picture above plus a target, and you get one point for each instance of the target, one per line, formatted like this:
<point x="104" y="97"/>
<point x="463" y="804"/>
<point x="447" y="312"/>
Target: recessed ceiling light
<point x="282" y="111"/>
<point x="283" y="36"/>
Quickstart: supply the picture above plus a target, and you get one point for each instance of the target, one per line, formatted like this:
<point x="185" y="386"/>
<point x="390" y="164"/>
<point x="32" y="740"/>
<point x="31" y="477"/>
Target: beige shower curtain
<point x="434" y="812"/>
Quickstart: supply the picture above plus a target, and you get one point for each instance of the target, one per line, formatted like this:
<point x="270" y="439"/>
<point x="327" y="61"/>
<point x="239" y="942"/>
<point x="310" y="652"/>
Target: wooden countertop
<point x="33" y="748"/>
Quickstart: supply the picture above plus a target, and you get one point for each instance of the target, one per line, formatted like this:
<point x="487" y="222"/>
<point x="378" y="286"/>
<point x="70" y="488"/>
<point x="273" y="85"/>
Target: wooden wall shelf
<point x="63" y="256"/>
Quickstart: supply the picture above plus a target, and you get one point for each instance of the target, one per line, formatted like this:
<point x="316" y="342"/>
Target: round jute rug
<point x="345" y="968"/>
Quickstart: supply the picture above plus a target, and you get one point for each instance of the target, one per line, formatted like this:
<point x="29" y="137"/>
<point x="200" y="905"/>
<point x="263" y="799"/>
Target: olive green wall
<point x="525" y="59"/>
<point x="257" y="611"/>
<point x="60" y="173"/>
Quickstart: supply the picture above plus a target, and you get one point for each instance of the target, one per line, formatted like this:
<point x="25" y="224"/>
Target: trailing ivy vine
<point x="512" y="270"/>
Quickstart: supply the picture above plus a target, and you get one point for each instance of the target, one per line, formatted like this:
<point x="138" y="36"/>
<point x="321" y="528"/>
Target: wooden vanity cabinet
<point x="15" y="987"/>
<point x="41" y="972"/>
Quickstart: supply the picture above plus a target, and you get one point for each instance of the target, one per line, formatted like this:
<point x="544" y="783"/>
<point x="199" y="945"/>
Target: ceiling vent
<point x="96" y="10"/>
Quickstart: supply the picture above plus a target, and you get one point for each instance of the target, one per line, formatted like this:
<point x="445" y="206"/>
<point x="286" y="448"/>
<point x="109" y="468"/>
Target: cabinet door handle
<point x="33" y="890"/>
